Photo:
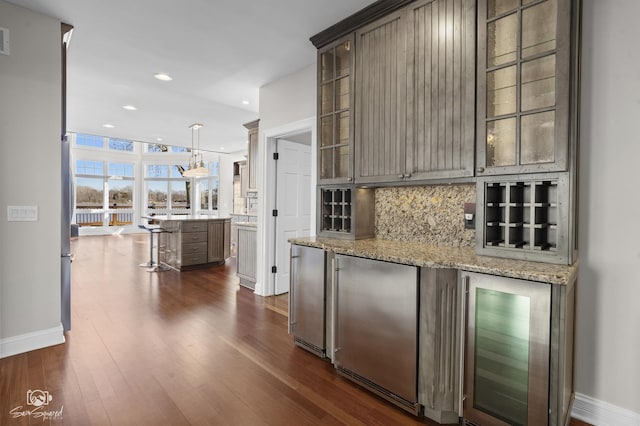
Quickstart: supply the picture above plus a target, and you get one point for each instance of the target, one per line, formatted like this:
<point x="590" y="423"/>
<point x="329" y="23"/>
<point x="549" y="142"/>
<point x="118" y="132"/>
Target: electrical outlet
<point x="470" y="215"/>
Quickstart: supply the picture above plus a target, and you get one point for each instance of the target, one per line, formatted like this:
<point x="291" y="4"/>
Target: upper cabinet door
<point x="441" y="89"/>
<point x="524" y="60"/>
<point x="335" y="112"/>
<point x="252" y="157"/>
<point x="381" y="98"/>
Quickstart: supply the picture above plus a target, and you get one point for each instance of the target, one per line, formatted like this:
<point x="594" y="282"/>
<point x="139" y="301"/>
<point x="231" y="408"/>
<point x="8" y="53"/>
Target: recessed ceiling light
<point x="159" y="139"/>
<point x="108" y="126"/>
<point x="245" y="102"/>
<point x="163" y="76"/>
<point x="130" y="107"/>
<point x="222" y="148"/>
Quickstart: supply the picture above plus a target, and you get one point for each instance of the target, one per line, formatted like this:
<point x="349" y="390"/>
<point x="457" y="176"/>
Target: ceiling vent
<point x="4" y="41"/>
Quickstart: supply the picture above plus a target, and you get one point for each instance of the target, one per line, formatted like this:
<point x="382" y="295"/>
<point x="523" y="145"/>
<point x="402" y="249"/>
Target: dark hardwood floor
<point x="178" y="348"/>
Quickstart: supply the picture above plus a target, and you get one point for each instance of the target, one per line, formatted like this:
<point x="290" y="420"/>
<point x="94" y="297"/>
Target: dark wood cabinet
<point x="524" y="84"/>
<point x="381" y="96"/>
<point x="335" y="112"/>
<point x="252" y="156"/>
<point x="440" y="89"/>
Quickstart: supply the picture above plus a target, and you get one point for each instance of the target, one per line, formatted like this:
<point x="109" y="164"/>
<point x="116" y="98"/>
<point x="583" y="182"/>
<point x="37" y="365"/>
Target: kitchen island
<point x="193" y="241"/>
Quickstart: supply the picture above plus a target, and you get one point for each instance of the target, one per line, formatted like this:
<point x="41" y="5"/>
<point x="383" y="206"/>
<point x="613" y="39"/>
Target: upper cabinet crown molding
<point x="363" y="17"/>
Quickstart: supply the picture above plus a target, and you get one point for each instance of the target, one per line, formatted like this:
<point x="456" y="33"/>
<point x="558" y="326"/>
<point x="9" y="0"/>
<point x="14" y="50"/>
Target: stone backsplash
<point x="426" y="214"/>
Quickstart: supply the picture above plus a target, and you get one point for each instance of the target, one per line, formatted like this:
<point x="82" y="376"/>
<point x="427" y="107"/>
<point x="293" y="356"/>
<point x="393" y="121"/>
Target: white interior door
<point x="293" y="202"/>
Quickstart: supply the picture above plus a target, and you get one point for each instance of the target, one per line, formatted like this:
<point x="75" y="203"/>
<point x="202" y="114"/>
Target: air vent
<point x="4" y="41"/>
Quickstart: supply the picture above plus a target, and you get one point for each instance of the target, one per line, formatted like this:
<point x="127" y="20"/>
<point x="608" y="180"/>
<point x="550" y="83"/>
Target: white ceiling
<point x="219" y="53"/>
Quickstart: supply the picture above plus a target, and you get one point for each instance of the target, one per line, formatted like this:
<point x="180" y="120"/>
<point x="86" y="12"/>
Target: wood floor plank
<point x="190" y="348"/>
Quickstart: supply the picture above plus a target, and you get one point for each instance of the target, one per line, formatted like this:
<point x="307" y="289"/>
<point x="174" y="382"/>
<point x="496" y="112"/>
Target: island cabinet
<point x="527" y="85"/>
<point x="193" y="241"/>
<point x="415" y="93"/>
<point x="519" y="351"/>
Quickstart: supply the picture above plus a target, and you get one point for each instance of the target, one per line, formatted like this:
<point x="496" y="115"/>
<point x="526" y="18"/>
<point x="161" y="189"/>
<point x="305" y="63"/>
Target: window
<point x="90" y="140"/>
<point x="94" y="179"/>
<point x="166" y="188"/>
<point x="121" y="145"/>
<point x="208" y="189"/>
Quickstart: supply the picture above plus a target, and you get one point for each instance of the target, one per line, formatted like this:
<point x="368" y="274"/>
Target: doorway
<point x="292" y="201"/>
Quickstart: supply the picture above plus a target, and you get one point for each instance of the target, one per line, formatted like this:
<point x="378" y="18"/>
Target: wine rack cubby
<point x="524" y="216"/>
<point x="346" y="212"/>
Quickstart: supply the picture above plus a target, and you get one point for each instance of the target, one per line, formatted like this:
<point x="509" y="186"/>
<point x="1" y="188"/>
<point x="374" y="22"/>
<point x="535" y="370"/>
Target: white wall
<point x="30" y="88"/>
<point x="608" y="323"/>
<point x="286" y="105"/>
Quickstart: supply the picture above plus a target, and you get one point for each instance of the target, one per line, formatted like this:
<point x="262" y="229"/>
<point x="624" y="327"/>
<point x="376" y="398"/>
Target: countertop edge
<point x="524" y="270"/>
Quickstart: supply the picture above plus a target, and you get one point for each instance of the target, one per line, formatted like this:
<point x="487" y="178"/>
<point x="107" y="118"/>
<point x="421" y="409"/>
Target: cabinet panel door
<point x="216" y="238"/>
<point x="525" y="78"/>
<point x="381" y="88"/>
<point x="252" y="160"/>
<point x="441" y="89"/>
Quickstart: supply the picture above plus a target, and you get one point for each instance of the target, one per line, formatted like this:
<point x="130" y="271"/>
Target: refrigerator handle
<point x="334" y="279"/>
<point x="463" y="334"/>
<point x="292" y="280"/>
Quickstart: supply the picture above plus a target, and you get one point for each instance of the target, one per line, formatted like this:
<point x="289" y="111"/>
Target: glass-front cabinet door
<point x="507" y="351"/>
<point x="523" y="86"/>
<point x="335" y="98"/>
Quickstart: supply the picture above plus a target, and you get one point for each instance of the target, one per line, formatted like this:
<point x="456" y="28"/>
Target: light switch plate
<point x="22" y="213"/>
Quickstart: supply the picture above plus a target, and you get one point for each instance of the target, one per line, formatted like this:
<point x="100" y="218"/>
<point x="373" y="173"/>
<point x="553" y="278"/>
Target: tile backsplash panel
<point x="427" y="214"/>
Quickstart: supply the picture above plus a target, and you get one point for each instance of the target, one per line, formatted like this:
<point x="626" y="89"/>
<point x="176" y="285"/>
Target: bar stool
<point x="151" y="265"/>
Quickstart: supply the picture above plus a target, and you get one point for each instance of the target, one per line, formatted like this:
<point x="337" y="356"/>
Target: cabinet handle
<point x="349" y="179"/>
<point x="400" y="176"/>
<point x="480" y="169"/>
<point x="407" y="175"/>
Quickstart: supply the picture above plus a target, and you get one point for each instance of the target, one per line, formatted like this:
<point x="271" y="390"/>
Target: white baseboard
<point x="600" y="413"/>
<point x="31" y="341"/>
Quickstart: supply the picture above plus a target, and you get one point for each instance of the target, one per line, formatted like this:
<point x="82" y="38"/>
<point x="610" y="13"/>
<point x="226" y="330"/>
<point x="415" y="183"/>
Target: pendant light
<point x="196" y="163"/>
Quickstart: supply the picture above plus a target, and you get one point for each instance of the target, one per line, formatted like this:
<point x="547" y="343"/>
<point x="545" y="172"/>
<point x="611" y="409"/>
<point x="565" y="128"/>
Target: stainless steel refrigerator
<point x="66" y="192"/>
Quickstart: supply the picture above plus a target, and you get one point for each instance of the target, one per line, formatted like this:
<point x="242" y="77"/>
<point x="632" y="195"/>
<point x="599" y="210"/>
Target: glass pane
<point x="537" y="137"/>
<point x="538" y="83"/>
<point x="120" y="193"/>
<point x="326" y="163"/>
<point x="502" y="40"/>
<point x="342" y="128"/>
<point x="203" y="187"/>
<point x="89" y="140"/>
<point x="88" y="167"/>
<point x="498" y="7"/>
<point x="179" y="197"/>
<point x="179" y="149"/>
<point x="326" y="131"/>
<point x="214" y="168"/>
<point x="121" y="169"/>
<point x="343" y="63"/>
<point x="156" y="147"/>
<point x="157" y="170"/>
<point x="501" y="91"/>
<point x="120" y="145"/>
<point x="501" y="369"/>
<point x="539" y="28"/>
<point x="326" y="101"/>
<point x="89" y="193"/>
<point x="501" y="142"/>
<point x="342" y="93"/>
<point x="176" y="171"/>
<point x="214" y="195"/>
<point x="326" y="65"/>
<point x="157" y="194"/>
<point x="342" y="161"/>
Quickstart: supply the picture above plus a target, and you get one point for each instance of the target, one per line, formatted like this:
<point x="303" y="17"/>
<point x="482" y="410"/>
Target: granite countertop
<point x="435" y="256"/>
<point x="247" y="224"/>
<point x="184" y="217"/>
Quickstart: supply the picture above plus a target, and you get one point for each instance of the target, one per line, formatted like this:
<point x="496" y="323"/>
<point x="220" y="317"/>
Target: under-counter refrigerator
<point x="376" y="327"/>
